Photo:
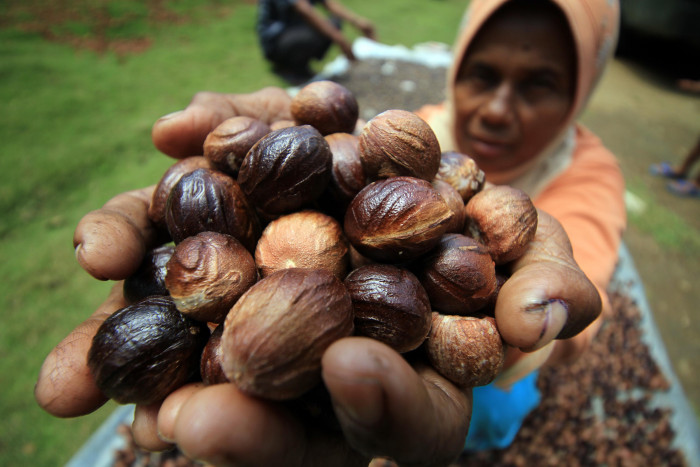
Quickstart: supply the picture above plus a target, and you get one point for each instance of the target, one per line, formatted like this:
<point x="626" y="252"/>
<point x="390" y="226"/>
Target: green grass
<point x="75" y="130"/>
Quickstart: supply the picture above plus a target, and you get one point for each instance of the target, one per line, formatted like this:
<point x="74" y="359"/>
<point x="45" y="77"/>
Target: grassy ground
<point x="81" y="83"/>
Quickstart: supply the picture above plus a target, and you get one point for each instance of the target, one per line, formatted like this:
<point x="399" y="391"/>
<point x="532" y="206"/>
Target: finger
<point x="145" y="428"/>
<point x="110" y="242"/>
<point x="387" y="408"/>
<point x="547" y="295"/>
<point x="65" y="387"/>
<point x="181" y="134"/>
<point x="221" y="425"/>
<point x="171" y="407"/>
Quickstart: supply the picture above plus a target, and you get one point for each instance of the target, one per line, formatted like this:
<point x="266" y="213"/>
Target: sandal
<point x="684" y="188"/>
<point x="664" y="169"/>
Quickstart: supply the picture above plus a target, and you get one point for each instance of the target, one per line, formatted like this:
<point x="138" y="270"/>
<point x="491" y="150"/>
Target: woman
<point x="385" y="407"/>
<point x="523" y="72"/>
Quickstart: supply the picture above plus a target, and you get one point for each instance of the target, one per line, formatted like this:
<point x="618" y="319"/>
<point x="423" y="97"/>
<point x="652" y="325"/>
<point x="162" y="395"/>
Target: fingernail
<point x="170" y="115"/>
<point x="363" y="405"/>
<point x="556" y="313"/>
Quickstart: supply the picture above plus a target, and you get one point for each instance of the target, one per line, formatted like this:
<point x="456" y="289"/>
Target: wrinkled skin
<point x="385" y="406"/>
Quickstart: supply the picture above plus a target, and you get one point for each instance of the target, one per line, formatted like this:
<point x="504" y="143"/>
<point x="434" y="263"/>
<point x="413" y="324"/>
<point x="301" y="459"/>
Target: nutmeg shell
<point x="467" y="350"/>
<point x="145" y="351"/>
<point x="504" y="219"/>
<point x="347" y="175"/>
<point x="399" y="143"/>
<point x="227" y="144"/>
<point x="149" y="278"/>
<point x="286" y="170"/>
<point x="390" y="305"/>
<point x="458" y="275"/>
<point x="276" y="333"/>
<point x="207" y="273"/>
<point x="210" y="201"/>
<point x="462" y="172"/>
<point x="396" y="220"/>
<point x="305" y="239"/>
<point x="210" y="366"/>
<point x="454" y="201"/>
<point x="326" y="105"/>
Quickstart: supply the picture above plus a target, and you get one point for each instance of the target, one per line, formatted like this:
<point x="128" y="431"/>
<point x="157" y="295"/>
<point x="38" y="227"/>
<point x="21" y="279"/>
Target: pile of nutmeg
<point x="287" y="237"/>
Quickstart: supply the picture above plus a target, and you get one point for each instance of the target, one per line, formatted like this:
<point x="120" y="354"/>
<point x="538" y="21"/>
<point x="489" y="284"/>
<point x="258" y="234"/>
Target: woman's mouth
<point x="489" y="148"/>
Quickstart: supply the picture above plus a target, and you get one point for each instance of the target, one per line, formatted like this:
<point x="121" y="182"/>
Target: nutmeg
<point x="397" y="219"/>
<point x="504" y="219"/>
<point x="210" y="201"/>
<point x="159" y="199"/>
<point x="286" y="170"/>
<point x="305" y="239"/>
<point x="454" y="201"/>
<point x="462" y="172"/>
<point x="327" y="106"/>
<point x="397" y="142"/>
<point x="149" y="278"/>
<point x="458" y="275"/>
<point x="467" y="350"/>
<point x="276" y="333"/>
<point x="207" y="273"/>
<point x="210" y="366"/>
<point x="227" y="144"/>
<point x="347" y="175"/>
<point x="390" y="305"/>
<point x="145" y="351"/>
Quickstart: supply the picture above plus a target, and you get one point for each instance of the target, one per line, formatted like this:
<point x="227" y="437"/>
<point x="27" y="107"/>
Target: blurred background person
<point x="294" y="32"/>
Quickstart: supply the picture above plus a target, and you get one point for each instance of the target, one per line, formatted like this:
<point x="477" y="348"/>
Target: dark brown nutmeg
<point x="210" y="366"/>
<point x="228" y="143"/>
<point x="328" y="106"/>
<point x="276" y="333"/>
<point x="145" y="351"/>
<point x="390" y="305"/>
<point x="459" y="275"/>
<point x="304" y="239"/>
<point x="286" y="169"/>
<point x="156" y="210"/>
<point x="149" y="278"/>
<point x="504" y="219"/>
<point x="207" y="273"/>
<point x="347" y="176"/>
<point x="211" y="201"/>
<point x="467" y="350"/>
<point x="454" y="201"/>
<point x="397" y="219"/>
<point x="397" y="142"/>
<point x="462" y="172"/>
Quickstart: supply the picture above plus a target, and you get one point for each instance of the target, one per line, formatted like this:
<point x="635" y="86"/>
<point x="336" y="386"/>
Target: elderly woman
<point x="523" y="71"/>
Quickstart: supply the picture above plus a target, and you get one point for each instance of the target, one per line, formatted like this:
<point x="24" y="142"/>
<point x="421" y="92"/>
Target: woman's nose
<point x="499" y="109"/>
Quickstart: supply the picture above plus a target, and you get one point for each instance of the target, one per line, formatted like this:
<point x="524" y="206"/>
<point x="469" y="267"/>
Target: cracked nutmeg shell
<point x="390" y="306"/>
<point x="398" y="142"/>
<point x="228" y="143"/>
<point x="305" y="239"/>
<point x="145" y="351"/>
<point x="275" y="335"/>
<point x="459" y="275"/>
<point x="467" y="350"/>
<point x="286" y="169"/>
<point x="397" y="219"/>
<point x="326" y="105"/>
<point x="462" y="172"/>
<point x="210" y="201"/>
<point x="207" y="273"/>
<point x="504" y="219"/>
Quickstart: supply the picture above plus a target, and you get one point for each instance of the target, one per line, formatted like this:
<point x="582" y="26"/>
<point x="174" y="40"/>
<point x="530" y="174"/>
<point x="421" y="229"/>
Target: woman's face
<point x="514" y="89"/>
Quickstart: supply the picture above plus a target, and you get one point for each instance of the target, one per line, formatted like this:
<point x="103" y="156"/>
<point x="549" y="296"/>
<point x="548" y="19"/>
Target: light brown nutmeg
<point x="454" y="201"/>
<point x="462" y="172"/>
<point x="467" y="350"/>
<point x="396" y="220"/>
<point x="228" y="143"/>
<point x="207" y="274"/>
<point x="397" y="142"/>
<point x="305" y="239"/>
<point x="459" y="275"/>
<point x="277" y="332"/>
<point x="390" y="306"/>
<point x="504" y="219"/>
<point x="326" y="105"/>
<point x="156" y="210"/>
